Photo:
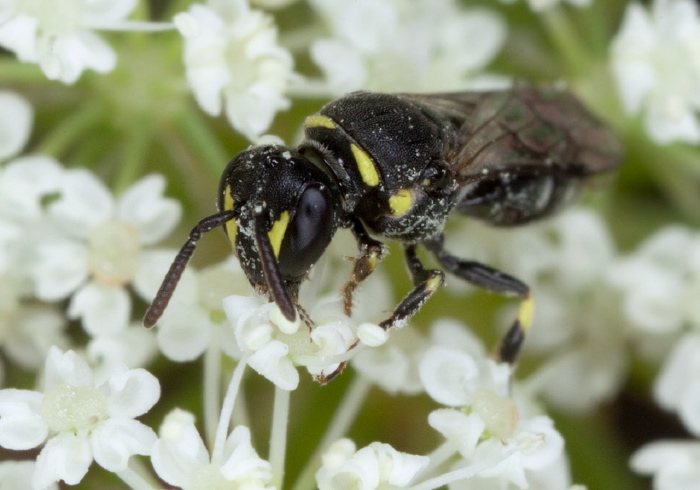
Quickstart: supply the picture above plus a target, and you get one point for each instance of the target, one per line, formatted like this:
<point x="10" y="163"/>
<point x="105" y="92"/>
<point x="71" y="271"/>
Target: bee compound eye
<point x="309" y="232"/>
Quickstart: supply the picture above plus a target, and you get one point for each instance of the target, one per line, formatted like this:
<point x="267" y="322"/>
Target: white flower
<point x="653" y="280"/>
<point x="676" y="388"/>
<point x="389" y="45"/>
<point x="181" y="459"/>
<point x="451" y="376"/>
<point x="132" y="347"/>
<point x="194" y="318"/>
<point x="58" y="35"/>
<point x="79" y="418"/>
<point x="16" y="117"/>
<point x="375" y="466"/>
<point x="674" y="464"/>
<point x="655" y="58"/>
<point x="17" y="475"/>
<point x="234" y="63"/>
<point x="393" y="366"/>
<point x="99" y="247"/>
<point x="275" y="347"/>
<point x="540" y="5"/>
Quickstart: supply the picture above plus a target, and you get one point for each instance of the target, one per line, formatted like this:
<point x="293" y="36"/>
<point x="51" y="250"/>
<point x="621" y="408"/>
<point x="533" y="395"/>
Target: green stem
<point x="212" y="379"/>
<point x="344" y="416"/>
<point x="195" y="130"/>
<point x="565" y="37"/>
<point x="226" y="411"/>
<point x="135" y="151"/>
<point x="278" y="435"/>
<point x="71" y="129"/>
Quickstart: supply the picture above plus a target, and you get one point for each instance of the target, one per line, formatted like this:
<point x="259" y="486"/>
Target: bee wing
<point x="522" y="130"/>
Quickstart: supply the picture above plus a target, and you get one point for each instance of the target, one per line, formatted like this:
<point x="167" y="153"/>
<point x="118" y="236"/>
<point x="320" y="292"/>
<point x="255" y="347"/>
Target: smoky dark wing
<point x="522" y="129"/>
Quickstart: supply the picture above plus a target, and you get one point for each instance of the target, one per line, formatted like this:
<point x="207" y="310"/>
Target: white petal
<point x="135" y="347"/>
<point x="21" y="425"/>
<point x="65" y="457"/>
<point x="444" y="371"/>
<point x="18" y="34"/>
<point x="658" y="455"/>
<point x="272" y="362"/>
<point x="180" y="450"/>
<point x="85" y="202"/>
<point x="242" y="462"/>
<point x="15" y="123"/>
<point x="132" y="393"/>
<point x="184" y="332"/>
<point x="115" y="440"/>
<point x="24" y="182"/>
<point x="17" y="475"/>
<point x="103" y="310"/>
<point x="461" y="429"/>
<point x="69" y="54"/>
<point x="66" y="368"/>
<point x="144" y="207"/>
<point x="61" y="268"/>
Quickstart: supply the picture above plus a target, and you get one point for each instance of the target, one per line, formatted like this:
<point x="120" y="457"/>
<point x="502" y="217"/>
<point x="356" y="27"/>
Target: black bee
<point x="397" y="166"/>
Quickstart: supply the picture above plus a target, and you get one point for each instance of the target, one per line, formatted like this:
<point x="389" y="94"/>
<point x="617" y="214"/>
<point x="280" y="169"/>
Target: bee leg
<point x="371" y="252"/>
<point x="425" y="281"/>
<point x="491" y="279"/>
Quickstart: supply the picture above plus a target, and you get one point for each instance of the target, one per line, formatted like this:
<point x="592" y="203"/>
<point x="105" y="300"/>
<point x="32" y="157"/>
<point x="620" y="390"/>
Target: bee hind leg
<point x="491" y="279"/>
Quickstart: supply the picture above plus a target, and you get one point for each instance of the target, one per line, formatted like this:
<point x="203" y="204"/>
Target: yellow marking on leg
<point x="231" y="226"/>
<point x="276" y="233"/>
<point x="526" y="312"/>
<point x="368" y="171"/>
<point x="319" y="121"/>
<point x="432" y="284"/>
<point x="401" y="202"/>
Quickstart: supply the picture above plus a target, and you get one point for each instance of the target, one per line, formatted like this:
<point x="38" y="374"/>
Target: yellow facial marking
<point x="276" y="233"/>
<point x="527" y="310"/>
<point x="319" y="121"/>
<point x="401" y="202"/>
<point x="368" y="171"/>
<point x="231" y="227"/>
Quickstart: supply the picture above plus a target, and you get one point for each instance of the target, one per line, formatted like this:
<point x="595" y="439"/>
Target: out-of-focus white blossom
<point x="375" y="466"/>
<point x="181" y="459"/>
<point x="655" y="58"/>
<point x="389" y="45"/>
<point x="654" y="280"/>
<point x="58" y="35"/>
<point x="676" y="388"/>
<point x="98" y="247"/>
<point x="80" y="418"/>
<point x="16" y="117"/>
<point x="234" y="63"/>
<point x="673" y="464"/>
<point x="540" y="5"/>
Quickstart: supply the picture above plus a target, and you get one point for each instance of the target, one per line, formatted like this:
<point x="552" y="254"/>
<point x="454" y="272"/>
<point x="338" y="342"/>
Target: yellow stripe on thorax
<point x="276" y="233"/>
<point x="231" y="227"/>
<point x="318" y="121"/>
<point x="365" y="165"/>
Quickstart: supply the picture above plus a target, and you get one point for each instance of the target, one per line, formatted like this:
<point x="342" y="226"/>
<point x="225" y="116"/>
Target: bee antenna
<point x="271" y="269"/>
<point x="165" y="292"/>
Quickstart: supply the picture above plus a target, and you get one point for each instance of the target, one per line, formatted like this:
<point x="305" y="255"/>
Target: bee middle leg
<point x="371" y="253"/>
<point x="491" y="279"/>
<point x="425" y="282"/>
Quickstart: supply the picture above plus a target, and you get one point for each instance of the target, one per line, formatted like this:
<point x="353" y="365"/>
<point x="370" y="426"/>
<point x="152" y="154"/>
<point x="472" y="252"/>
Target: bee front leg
<point x="425" y="281"/>
<point x="371" y="253"/>
<point x="491" y="279"/>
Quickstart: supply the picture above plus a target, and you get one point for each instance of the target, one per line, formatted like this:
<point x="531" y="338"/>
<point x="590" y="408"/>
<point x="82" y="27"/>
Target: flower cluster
<point x="105" y="145"/>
